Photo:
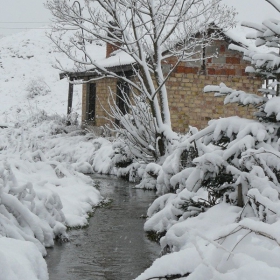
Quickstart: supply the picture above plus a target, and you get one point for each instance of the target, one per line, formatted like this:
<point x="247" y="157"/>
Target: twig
<point x="239" y="242"/>
<point x="170" y="277"/>
<point x="238" y="228"/>
<point x="253" y="198"/>
<point x="262" y="234"/>
<point x="239" y="218"/>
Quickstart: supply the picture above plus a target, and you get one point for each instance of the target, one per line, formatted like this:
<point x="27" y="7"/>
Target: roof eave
<point x="91" y="73"/>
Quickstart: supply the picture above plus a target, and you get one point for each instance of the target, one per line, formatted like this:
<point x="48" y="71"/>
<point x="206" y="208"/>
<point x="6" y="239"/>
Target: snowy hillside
<point x="26" y="61"/>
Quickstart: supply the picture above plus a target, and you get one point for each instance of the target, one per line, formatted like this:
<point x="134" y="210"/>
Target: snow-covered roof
<point x="119" y="58"/>
<point x="249" y="10"/>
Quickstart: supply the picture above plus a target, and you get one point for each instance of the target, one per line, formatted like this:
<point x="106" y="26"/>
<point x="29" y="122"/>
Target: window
<point x="91" y="100"/>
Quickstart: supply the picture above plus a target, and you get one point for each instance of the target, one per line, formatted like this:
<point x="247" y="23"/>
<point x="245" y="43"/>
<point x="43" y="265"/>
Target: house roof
<point x="120" y="61"/>
<point x="249" y="10"/>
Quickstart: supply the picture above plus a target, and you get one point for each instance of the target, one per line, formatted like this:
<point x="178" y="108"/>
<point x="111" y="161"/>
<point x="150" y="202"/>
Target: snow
<point x="273" y="107"/>
<point x="26" y="63"/>
<point x="238" y="35"/>
<point x="172" y="264"/>
<point x="193" y="251"/>
<point x="43" y="190"/>
<point x="235" y="96"/>
<point x="21" y="260"/>
<point x="118" y="58"/>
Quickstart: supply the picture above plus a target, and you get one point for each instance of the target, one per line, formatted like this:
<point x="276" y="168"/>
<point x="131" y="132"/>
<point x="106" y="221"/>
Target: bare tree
<point x="136" y="126"/>
<point x="151" y="32"/>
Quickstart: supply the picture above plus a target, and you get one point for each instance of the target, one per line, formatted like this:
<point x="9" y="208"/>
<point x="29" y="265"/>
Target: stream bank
<point x="114" y="246"/>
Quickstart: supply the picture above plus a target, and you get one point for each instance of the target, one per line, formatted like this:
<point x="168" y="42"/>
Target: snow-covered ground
<point x="28" y="80"/>
<point x="42" y="189"/>
<point x="26" y="61"/>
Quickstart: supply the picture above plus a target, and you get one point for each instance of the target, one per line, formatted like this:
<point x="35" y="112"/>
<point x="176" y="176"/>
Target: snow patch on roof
<point x="118" y="58"/>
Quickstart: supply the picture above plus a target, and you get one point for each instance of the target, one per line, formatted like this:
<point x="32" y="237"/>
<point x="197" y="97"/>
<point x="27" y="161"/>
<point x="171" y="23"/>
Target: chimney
<point x="110" y="48"/>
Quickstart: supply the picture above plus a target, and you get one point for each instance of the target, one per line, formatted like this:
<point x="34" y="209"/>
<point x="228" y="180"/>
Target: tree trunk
<point x="161" y="146"/>
<point x="159" y="136"/>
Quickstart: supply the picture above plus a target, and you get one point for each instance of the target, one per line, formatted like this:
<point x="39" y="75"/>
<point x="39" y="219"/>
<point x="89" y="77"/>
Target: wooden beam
<point x="70" y="100"/>
<point x="92" y="74"/>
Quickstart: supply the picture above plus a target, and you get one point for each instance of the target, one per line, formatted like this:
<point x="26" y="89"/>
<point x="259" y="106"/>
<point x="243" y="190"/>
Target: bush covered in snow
<point x="42" y="191"/>
<point x="220" y="213"/>
<point x="37" y="87"/>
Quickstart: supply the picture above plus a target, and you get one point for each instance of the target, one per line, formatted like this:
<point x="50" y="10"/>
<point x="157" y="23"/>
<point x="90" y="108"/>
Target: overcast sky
<point x="15" y="13"/>
<point x="253" y="10"/>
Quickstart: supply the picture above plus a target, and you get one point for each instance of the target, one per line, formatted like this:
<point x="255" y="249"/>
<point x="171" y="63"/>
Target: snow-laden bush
<point x="122" y="155"/>
<point x="137" y="129"/>
<point x="222" y="222"/>
<point x="26" y="213"/>
<point x="149" y="179"/>
<point x="236" y="173"/>
<point x="42" y="191"/>
<point x="237" y="164"/>
<point x="37" y="87"/>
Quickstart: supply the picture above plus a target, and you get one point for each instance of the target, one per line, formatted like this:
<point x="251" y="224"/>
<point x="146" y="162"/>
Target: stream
<point x="114" y="245"/>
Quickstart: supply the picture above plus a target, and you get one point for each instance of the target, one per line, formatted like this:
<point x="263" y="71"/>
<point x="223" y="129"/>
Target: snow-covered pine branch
<point x="265" y="58"/>
<point x="231" y="192"/>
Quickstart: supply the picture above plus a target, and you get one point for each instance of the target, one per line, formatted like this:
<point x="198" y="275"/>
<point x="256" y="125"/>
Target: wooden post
<point x="70" y="99"/>
<point x="240" y="201"/>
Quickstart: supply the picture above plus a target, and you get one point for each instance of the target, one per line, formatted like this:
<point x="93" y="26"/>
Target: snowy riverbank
<point x="42" y="191"/>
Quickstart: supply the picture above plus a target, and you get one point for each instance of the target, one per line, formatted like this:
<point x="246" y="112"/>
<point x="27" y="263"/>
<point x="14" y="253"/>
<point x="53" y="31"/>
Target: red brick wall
<point x="188" y="104"/>
<point x="101" y="105"/>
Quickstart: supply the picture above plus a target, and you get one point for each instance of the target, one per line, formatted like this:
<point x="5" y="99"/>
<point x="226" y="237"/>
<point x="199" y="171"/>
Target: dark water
<point x="114" y="246"/>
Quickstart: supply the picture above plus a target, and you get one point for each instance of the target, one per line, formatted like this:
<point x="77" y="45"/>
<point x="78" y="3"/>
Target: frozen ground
<point x="28" y="81"/>
<point x="41" y="192"/>
<point x="42" y="189"/>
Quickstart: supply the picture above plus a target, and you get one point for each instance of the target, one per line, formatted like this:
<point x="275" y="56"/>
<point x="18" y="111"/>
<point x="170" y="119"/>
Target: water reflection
<point x="114" y="246"/>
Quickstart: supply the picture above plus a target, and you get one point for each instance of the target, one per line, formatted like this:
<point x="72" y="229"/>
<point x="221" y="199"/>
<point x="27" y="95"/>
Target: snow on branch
<point x="274" y="3"/>
<point x="235" y="96"/>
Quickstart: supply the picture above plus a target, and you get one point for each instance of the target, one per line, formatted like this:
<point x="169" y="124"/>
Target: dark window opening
<point x="122" y="97"/>
<point x="91" y="102"/>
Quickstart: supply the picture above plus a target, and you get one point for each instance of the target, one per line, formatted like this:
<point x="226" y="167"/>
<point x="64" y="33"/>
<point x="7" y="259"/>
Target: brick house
<point x="187" y="102"/>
